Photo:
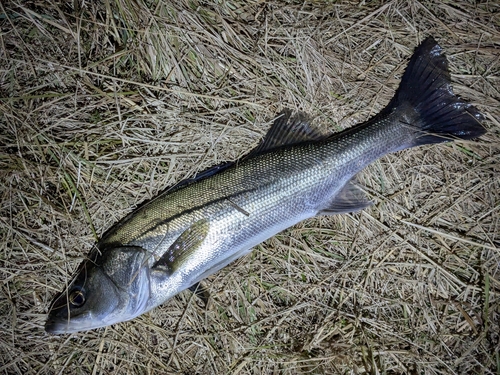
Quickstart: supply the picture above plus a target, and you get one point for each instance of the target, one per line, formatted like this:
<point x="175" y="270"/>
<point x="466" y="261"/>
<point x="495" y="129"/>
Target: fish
<point x="199" y="226"/>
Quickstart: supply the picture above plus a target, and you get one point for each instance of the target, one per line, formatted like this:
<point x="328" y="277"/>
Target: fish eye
<point x="76" y="298"/>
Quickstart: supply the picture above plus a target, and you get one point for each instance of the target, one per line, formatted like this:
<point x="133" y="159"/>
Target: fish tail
<point x="438" y="115"/>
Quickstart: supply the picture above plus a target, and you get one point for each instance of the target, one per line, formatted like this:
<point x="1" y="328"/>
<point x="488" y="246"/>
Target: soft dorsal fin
<point x="288" y="130"/>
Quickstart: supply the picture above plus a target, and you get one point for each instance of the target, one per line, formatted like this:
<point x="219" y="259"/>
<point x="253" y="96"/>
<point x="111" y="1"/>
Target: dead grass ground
<point x="105" y="104"/>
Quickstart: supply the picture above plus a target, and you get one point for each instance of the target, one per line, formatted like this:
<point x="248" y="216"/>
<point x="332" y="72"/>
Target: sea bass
<point x="201" y="225"/>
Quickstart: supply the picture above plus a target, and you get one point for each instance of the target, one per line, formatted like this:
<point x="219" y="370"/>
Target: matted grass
<point x="103" y="106"/>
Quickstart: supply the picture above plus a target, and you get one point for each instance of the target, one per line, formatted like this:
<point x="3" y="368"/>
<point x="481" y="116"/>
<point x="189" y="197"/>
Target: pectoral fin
<point x="349" y="199"/>
<point x="183" y="247"/>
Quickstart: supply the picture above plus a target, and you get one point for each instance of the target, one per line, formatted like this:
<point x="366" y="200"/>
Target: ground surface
<point x="103" y="106"/>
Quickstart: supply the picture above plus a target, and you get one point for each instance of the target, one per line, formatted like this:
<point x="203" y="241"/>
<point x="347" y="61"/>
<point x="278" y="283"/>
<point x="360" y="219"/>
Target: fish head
<point x="109" y="288"/>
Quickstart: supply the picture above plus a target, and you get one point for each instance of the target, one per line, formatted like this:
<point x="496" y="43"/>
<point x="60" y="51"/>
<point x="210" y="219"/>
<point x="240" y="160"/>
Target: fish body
<point x="194" y="229"/>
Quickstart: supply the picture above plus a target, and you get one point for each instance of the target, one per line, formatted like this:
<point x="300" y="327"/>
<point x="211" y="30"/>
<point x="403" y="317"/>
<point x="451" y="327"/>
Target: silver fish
<point x="194" y="229"/>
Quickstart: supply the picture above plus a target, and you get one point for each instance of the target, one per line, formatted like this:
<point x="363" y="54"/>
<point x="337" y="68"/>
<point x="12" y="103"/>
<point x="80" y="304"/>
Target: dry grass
<point x="102" y="106"/>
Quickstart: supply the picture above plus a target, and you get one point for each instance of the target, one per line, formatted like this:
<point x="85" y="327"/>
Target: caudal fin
<point x="441" y="115"/>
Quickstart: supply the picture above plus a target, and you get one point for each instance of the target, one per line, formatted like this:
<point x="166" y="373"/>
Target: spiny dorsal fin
<point x="349" y="199"/>
<point x="288" y="130"/>
<point x="200" y="176"/>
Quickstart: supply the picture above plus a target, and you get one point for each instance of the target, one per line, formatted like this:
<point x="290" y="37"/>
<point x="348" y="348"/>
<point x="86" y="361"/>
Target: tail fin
<point x="425" y="86"/>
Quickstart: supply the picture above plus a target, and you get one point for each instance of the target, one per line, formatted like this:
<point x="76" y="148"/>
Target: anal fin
<point x="349" y="199"/>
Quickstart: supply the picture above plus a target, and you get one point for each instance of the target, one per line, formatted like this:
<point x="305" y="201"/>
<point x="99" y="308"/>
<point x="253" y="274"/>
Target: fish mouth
<point x="55" y="327"/>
